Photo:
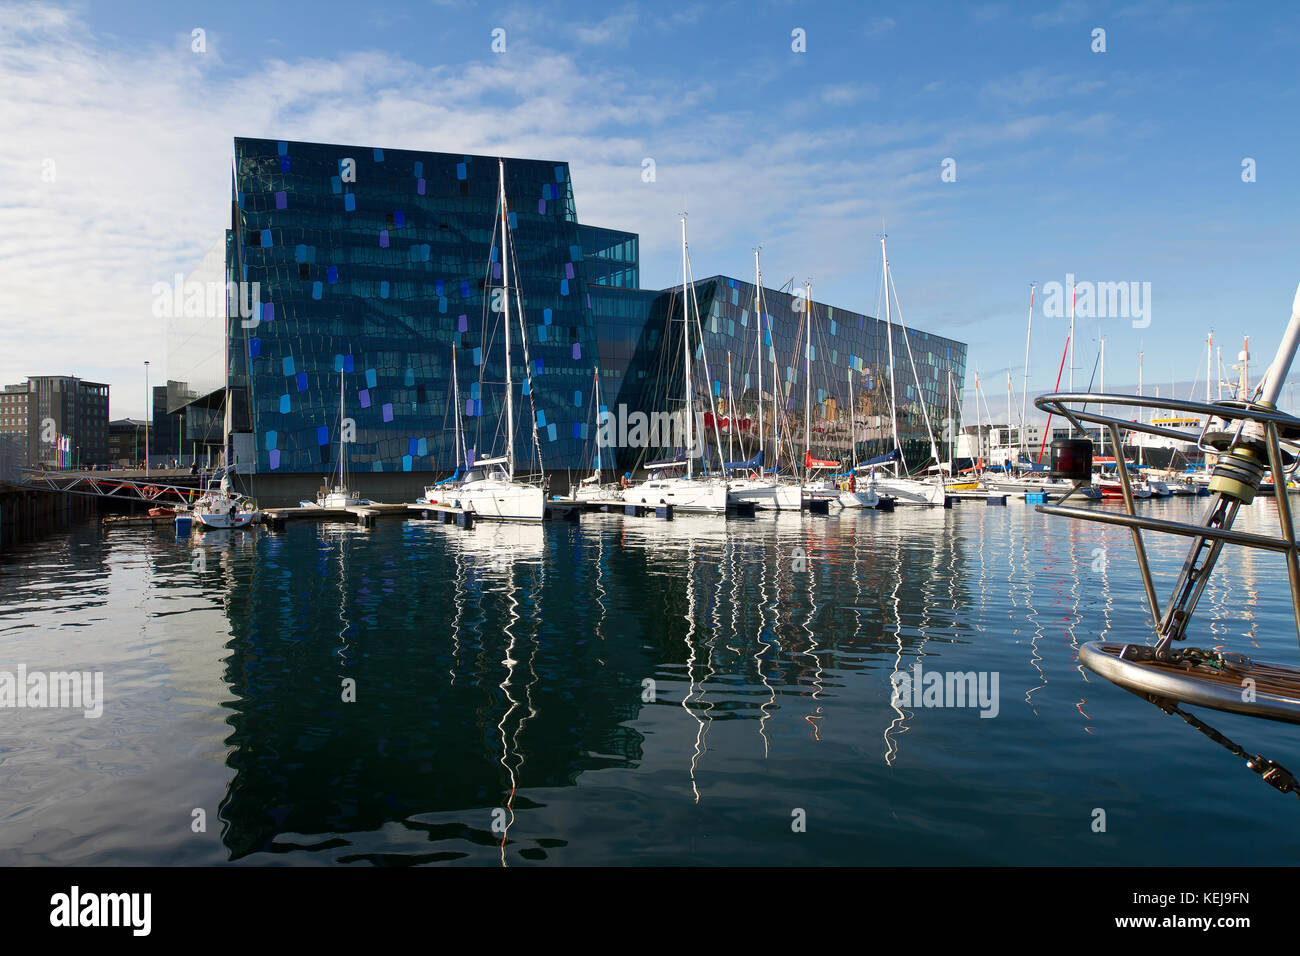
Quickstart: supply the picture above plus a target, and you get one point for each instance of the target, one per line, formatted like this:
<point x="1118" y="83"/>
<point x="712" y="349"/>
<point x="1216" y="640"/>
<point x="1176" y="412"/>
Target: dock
<point x="988" y="497"/>
<point x="109" y="522"/>
<point x="363" y="515"/>
<point x="617" y="506"/>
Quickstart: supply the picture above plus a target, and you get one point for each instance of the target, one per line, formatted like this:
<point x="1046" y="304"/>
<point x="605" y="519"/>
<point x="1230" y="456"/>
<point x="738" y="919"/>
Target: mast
<point x="1244" y="394"/>
<point x="1101" y="429"/>
<point x="686" y="356"/>
<point x="1009" y="411"/>
<point x="889" y="347"/>
<point x="777" y="408"/>
<point x="455" y="385"/>
<point x="1024" y="395"/>
<point x="505" y="284"/>
<point x="1209" y="363"/>
<point x="343" y="448"/>
<point x="853" y="431"/>
<point x="807" y="381"/>
<point x="758" y="324"/>
<point x="731" y="411"/>
<point x="1073" y="294"/>
<point x="597" y="410"/>
<point x="952" y="456"/>
<point x="1139" y="444"/>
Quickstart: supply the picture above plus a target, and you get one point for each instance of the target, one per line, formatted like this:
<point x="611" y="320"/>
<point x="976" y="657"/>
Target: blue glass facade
<point x="371" y="264"/>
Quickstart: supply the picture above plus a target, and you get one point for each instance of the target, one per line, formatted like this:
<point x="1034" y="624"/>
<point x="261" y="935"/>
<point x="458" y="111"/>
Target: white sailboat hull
<point x="766" y="493"/>
<point x="859" y="499"/>
<point x="595" y="493"/>
<point x="226" y="521"/>
<point x="341" y="499"/>
<point x="821" y="491"/>
<point x="909" y="491"/>
<point x="440" y="494"/>
<point x="222" y="511"/>
<point x="684" y="494"/>
<point x="502" y="500"/>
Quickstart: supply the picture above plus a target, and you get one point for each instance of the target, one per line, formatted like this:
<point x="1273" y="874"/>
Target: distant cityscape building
<point x="126" y="441"/>
<point x="164" y="428"/>
<point x="64" y="420"/>
<point x="365" y="266"/>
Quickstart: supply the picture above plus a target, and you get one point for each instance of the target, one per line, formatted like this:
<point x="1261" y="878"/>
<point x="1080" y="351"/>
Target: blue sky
<point x="1115" y="166"/>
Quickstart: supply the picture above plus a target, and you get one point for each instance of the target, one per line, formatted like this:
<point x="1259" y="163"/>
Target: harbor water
<point x="628" y="691"/>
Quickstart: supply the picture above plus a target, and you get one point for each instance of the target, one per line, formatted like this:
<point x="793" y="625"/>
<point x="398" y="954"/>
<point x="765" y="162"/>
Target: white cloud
<point x="141" y="138"/>
<point x="846" y="94"/>
<point x="614" y="31"/>
<point x="1037" y="84"/>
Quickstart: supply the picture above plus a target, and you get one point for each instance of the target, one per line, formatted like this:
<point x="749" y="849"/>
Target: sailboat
<point x="490" y="489"/>
<point x="749" y="482"/>
<point x="666" y="483"/>
<point x="441" y="492"/>
<point x="339" y="496"/>
<point x="851" y="496"/>
<point x="592" y="488"/>
<point x="904" y="490"/>
<point x="220" y="506"/>
<point x="813" y="489"/>
<point x="223" y="508"/>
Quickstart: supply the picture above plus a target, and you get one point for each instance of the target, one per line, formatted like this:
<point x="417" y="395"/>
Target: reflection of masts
<point x="510" y="664"/>
<point x="1035" y="659"/>
<point x="1073" y="619"/>
<point x="344" y="624"/>
<point x="897" y="725"/>
<point x="690" y="666"/>
<point x="764" y="646"/>
<point x="814" y="648"/>
<point x="458" y="602"/>
<point x="602" y="595"/>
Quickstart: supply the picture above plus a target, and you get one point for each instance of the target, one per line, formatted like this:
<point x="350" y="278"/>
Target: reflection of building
<point x="63" y="418"/>
<point x="370" y="264"/>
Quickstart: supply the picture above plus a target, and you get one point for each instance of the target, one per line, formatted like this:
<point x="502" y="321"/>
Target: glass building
<point x="362" y="268"/>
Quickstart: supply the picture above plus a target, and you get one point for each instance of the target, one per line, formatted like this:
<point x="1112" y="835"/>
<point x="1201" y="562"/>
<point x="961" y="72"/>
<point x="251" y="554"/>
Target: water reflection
<point x="528" y="694"/>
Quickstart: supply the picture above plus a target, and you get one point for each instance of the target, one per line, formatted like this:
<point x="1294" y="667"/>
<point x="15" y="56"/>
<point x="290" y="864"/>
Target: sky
<point x="997" y="144"/>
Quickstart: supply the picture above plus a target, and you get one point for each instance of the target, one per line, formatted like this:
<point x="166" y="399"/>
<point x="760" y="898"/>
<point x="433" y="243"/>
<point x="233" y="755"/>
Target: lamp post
<point x="146" y="418"/>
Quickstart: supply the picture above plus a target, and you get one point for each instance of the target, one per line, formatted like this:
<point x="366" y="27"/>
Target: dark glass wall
<point x="848" y="382"/>
<point x="372" y="264"/>
<point x="613" y="256"/>
<point x="375" y="280"/>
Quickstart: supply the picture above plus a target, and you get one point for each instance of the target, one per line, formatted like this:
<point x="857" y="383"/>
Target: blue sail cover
<point x="450" y="478"/>
<point x="1024" y="464"/>
<point x="749" y="465"/>
<point x="882" y="460"/>
<point x="677" y="461"/>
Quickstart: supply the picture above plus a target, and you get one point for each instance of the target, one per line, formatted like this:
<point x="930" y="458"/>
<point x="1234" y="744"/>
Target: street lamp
<point x="146" y="418"/>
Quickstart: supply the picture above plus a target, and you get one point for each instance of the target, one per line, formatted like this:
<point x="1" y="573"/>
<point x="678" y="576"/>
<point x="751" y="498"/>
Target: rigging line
<point x="907" y="341"/>
<point x="528" y="366"/>
<point x="705" y="356"/>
